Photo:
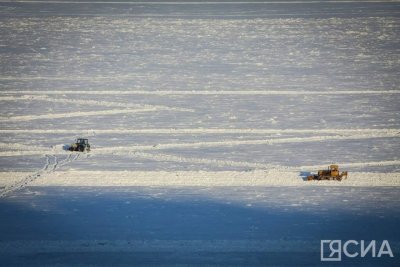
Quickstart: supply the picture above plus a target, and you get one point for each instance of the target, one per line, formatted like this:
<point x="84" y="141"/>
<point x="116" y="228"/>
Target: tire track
<point x="76" y="114"/>
<point x="355" y="164"/>
<point x="208" y="131"/>
<point x="19" y="146"/>
<point x="184" y="159"/>
<point x="223" y="143"/>
<point x="91" y="102"/>
<point x="206" y="92"/>
<point x="255" y="165"/>
<point x="47" y="169"/>
<point x="200" y="2"/>
<point x="230" y="143"/>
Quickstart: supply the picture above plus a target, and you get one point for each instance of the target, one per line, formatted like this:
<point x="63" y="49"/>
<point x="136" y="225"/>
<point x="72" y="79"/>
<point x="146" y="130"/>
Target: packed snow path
<point x="46" y="170"/>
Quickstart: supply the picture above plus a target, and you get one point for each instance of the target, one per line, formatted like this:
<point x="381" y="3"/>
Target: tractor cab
<point x="81" y="145"/>
<point x="82" y="141"/>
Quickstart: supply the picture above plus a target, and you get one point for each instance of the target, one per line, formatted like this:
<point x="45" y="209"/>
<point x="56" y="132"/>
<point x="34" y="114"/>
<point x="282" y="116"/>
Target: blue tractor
<point x="81" y="145"/>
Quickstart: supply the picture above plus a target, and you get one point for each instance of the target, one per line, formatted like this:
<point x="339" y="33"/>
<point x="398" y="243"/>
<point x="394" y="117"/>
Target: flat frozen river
<point x="204" y="118"/>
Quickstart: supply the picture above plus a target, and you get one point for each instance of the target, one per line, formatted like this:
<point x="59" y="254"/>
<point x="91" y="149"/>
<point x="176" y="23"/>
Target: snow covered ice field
<point x="204" y="119"/>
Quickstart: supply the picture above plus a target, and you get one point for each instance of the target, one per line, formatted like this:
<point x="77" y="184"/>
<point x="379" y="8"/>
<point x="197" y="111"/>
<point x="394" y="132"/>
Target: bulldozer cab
<point x="334" y="170"/>
<point x="332" y="173"/>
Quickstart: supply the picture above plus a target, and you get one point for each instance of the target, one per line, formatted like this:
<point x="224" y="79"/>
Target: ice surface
<point x="240" y="226"/>
<point x="204" y="119"/>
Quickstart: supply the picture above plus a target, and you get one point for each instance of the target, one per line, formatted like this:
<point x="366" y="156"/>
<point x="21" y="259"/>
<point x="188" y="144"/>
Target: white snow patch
<point x="79" y="114"/>
<point x="362" y="131"/>
<point x="90" y="102"/>
<point x="197" y="178"/>
<point x="195" y="92"/>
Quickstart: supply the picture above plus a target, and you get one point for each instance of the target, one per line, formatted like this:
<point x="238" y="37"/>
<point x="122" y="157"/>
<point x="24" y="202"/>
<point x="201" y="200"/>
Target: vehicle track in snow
<point x="196" y="160"/>
<point x="51" y="165"/>
<point x="250" y="165"/>
<point x="203" y="92"/>
<point x="90" y="102"/>
<point x="20" y="147"/>
<point x="229" y="143"/>
<point x="200" y="131"/>
<point x="77" y="114"/>
<point x="206" y="144"/>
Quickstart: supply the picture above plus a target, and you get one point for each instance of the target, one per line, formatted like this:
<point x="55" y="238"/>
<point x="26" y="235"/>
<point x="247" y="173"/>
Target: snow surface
<point x="193" y="178"/>
<point x="204" y="120"/>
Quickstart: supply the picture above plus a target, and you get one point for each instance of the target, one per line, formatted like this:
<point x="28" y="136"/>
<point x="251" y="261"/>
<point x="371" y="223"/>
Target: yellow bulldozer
<point x="332" y="173"/>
